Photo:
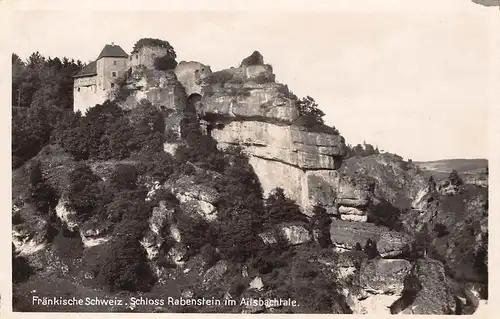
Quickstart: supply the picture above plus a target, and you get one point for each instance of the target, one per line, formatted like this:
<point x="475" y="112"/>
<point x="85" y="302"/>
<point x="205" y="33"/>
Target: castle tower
<point x="91" y="85"/>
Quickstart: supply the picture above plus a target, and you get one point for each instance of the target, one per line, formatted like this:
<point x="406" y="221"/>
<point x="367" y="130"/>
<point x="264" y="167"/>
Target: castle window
<point x="137" y="56"/>
<point x="113" y="73"/>
<point x="112" y="85"/>
<point x="114" y="62"/>
<point x="78" y="89"/>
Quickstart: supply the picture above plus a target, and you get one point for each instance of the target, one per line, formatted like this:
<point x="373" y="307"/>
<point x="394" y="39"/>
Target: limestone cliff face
<point x="163" y="90"/>
<point x="267" y="102"/>
<point x="394" y="180"/>
<point x="259" y="118"/>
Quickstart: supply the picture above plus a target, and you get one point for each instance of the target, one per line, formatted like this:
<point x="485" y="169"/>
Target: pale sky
<point x="419" y="83"/>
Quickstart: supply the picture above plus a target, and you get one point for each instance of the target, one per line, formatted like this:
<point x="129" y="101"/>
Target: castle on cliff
<point x="93" y="83"/>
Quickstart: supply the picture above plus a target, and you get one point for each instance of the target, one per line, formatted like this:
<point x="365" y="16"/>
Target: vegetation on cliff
<point x="116" y="189"/>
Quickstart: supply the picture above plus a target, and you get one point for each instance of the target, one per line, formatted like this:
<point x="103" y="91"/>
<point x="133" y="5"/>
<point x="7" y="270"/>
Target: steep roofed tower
<point x="91" y="85"/>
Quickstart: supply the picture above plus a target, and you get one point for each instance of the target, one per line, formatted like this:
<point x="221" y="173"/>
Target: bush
<point x="43" y="195"/>
<point x="84" y="195"/>
<point x="385" y="214"/>
<point x="311" y="117"/>
<point x="370" y="249"/>
<point x="279" y="209"/>
<point x="219" y="77"/>
<point x="195" y="231"/>
<point x="321" y="221"/>
<point x="209" y="255"/>
<point x="30" y="133"/>
<point x="441" y="230"/>
<point x="165" y="63"/>
<point x="21" y="269"/>
<point x="455" y="179"/>
<point x="124" y="177"/>
<point x="125" y="267"/>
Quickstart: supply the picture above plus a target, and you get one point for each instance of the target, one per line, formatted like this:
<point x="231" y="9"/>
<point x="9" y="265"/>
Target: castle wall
<point x="105" y="68"/>
<point x="86" y="93"/>
<point x="146" y="56"/>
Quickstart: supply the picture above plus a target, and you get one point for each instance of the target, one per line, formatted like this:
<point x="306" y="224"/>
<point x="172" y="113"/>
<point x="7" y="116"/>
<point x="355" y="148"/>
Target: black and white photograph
<point x="252" y="161"/>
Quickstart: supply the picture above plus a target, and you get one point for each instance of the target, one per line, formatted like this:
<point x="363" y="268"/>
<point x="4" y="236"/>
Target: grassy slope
<point x="441" y="168"/>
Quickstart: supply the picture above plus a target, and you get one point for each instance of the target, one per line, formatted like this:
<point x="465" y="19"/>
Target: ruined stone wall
<point x="146" y="56"/>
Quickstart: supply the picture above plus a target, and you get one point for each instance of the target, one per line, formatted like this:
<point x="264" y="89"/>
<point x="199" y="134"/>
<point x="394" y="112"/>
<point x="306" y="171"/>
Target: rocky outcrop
<point x="427" y="290"/>
<point x="153" y="239"/>
<point x="287" y="144"/>
<point x="394" y="180"/>
<point x="345" y="234"/>
<point x="302" y="163"/>
<point x="31" y="235"/>
<point x="381" y="283"/>
<point x="191" y="75"/>
<point x="266" y="102"/>
<point x="295" y="234"/>
<point x="384" y="276"/>
<point x="292" y="234"/>
<point x="162" y="90"/>
<point x="394" y="244"/>
<point x="215" y="273"/>
<point x="194" y="197"/>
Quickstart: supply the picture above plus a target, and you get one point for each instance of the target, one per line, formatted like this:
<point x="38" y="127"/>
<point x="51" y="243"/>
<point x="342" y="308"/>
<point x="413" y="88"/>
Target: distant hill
<point x="441" y="168"/>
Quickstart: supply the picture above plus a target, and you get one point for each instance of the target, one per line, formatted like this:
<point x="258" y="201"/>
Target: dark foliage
<point x="21" y="269"/>
<point x="124" y="177"/>
<point x="84" y="196"/>
<point x="311" y="117"/>
<point x="360" y="150"/>
<point x="385" y="214"/>
<point x="220" y="77"/>
<point x="209" y="255"/>
<point x="42" y="194"/>
<point x="152" y="42"/>
<point x="370" y="249"/>
<point x="322" y="221"/>
<point x="280" y="209"/>
<point x="195" y="231"/>
<point x="440" y="230"/>
<point x="44" y="87"/>
<point x="41" y="81"/>
<point x="455" y="179"/>
<point x="125" y="267"/>
<point x="165" y="63"/>
<point x="106" y="133"/>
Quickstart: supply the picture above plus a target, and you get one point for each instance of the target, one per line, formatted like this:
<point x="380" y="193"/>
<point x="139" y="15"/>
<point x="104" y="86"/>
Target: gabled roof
<point x="112" y="51"/>
<point x="89" y="70"/>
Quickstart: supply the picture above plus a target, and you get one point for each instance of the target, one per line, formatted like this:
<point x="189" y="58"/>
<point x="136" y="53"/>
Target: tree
<point x="125" y="267"/>
<point x="84" y="196"/>
<point x="371" y="249"/>
<point x="279" y="208"/>
<point x="43" y="195"/>
<point x="165" y="63"/>
<point x="431" y="184"/>
<point x="368" y="149"/>
<point x="321" y="221"/>
<point x="358" y="150"/>
<point x="310" y="112"/>
<point x="455" y="179"/>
